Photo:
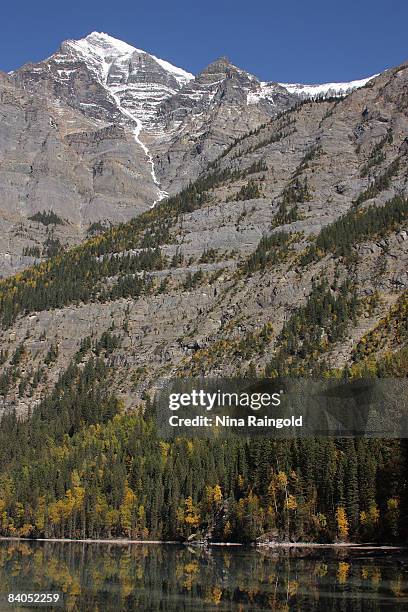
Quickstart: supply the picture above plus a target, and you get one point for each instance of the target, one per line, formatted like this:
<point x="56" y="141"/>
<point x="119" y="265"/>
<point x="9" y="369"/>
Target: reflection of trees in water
<point x="146" y="577"/>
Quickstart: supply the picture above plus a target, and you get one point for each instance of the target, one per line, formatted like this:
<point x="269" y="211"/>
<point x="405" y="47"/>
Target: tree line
<point x="356" y="226"/>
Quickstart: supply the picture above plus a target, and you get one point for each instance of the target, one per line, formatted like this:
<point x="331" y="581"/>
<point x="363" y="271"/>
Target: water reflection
<point x="103" y="577"/>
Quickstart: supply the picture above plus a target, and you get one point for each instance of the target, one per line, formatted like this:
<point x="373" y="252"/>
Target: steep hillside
<point x="284" y="255"/>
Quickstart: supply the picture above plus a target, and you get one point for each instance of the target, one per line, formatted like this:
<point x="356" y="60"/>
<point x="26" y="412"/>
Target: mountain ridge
<point x="173" y="126"/>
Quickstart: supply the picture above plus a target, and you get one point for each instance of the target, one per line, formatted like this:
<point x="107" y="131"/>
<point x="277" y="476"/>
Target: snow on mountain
<point x="137" y="81"/>
<point x="167" y="109"/>
<point x="324" y="89"/>
<point x="101" y="51"/>
<point x="267" y="90"/>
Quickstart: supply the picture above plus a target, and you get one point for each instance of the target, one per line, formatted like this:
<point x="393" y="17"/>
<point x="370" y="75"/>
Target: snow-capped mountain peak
<point x="139" y="84"/>
<point x="101" y="50"/>
<point x="105" y="43"/>
<point x="136" y="80"/>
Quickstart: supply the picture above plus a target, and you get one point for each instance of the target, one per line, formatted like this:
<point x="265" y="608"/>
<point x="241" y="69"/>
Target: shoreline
<point x="262" y="545"/>
<point x="354" y="545"/>
<point x="116" y="541"/>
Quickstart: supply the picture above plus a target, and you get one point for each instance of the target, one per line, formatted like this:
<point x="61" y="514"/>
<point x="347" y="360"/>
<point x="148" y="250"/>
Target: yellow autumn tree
<point x="343" y="572"/>
<point x="39" y="517"/>
<point x="281" y="480"/>
<point x="213" y="494"/>
<point x="141" y="521"/>
<point x="191" y="514"/>
<point x="369" y="520"/>
<point x="188" y="517"/>
<point x="126" y="510"/>
<point x="3" y="514"/>
<point x="342" y="523"/>
<point x="392" y="516"/>
<point x="217" y="494"/>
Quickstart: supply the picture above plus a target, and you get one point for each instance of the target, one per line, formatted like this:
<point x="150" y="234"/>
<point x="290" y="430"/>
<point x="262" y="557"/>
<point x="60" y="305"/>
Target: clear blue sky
<point x="282" y="40"/>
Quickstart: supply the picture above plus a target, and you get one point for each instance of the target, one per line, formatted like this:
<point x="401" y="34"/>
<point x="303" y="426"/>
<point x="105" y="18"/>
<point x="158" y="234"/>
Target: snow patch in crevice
<point x="136" y="134"/>
<point x="100" y="51"/>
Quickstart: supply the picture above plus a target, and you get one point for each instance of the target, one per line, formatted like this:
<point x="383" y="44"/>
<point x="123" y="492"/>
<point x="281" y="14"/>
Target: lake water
<point x="104" y="577"/>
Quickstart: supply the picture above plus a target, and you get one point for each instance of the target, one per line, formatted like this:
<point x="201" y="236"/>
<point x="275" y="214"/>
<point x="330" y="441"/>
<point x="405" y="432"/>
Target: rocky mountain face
<point x="219" y="105"/>
<point x="289" y="250"/>
<point x="101" y="131"/>
<point x="53" y="158"/>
